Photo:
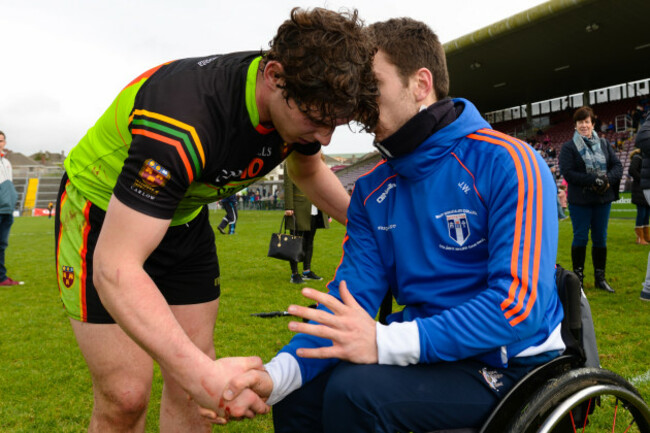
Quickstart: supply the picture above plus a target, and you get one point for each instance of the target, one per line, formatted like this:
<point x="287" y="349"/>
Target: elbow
<point x="104" y="274"/>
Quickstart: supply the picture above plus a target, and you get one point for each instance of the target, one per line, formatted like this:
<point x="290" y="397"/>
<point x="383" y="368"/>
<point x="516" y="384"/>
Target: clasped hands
<point x="601" y="184"/>
<point x="349" y="327"/>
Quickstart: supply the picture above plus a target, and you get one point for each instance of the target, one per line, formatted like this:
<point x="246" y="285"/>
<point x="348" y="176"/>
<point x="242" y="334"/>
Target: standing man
<point x="459" y="223"/>
<point x="136" y="258"/>
<point x="8" y="198"/>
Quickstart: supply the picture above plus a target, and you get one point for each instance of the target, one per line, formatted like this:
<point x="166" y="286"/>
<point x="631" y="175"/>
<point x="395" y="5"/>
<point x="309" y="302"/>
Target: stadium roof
<point x="558" y="48"/>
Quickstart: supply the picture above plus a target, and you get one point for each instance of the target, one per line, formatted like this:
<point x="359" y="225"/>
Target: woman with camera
<point x="593" y="172"/>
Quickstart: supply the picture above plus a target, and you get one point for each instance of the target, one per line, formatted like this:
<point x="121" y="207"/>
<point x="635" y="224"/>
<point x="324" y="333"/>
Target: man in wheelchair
<point x="458" y="222"/>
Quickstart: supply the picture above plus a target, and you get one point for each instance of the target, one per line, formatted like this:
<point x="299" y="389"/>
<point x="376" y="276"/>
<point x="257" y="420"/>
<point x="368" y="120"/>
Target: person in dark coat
<point x="308" y="218"/>
<point x="643" y="143"/>
<point x="641" y="228"/>
<point x="593" y="172"/>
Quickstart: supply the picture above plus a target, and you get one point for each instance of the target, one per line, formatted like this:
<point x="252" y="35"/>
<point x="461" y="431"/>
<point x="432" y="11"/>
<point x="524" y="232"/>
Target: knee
<point x="122" y="402"/>
<point x="342" y="389"/>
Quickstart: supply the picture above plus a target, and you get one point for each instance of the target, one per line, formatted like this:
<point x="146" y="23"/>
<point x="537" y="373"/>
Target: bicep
<point x="127" y="236"/>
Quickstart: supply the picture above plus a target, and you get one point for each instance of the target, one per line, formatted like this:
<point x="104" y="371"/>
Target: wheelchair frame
<point x="547" y="397"/>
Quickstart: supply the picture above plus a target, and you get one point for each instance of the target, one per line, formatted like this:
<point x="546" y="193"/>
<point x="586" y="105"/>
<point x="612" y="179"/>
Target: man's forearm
<point x="321" y="186"/>
<point x="139" y="308"/>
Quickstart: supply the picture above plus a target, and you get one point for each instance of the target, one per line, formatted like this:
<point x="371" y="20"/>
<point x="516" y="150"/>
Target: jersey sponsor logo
<point x="225" y="175"/>
<point x="68" y="275"/>
<point x="206" y="61"/>
<point x="384" y="194"/>
<point x="253" y="170"/>
<point x="458" y="228"/>
<point x="151" y="177"/>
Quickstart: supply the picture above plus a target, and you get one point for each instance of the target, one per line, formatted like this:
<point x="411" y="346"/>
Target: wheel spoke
<point x="584" y="426"/>
<point x="615" y="411"/>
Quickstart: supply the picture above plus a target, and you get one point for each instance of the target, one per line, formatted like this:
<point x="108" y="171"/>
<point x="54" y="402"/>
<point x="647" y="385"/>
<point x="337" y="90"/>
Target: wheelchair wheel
<point x="586" y="400"/>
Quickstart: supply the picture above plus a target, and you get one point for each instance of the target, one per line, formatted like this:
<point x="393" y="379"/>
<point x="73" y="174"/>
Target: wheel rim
<point x="620" y="410"/>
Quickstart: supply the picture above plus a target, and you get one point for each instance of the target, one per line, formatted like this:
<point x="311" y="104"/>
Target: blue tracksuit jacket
<point x="464" y="232"/>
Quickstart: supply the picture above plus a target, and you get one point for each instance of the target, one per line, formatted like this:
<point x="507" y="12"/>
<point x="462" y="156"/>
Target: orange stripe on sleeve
<point x="175" y="143"/>
<point x="380" y="185"/>
<point x="514" y="260"/>
<point x="539" y="210"/>
<point x="345" y="239"/>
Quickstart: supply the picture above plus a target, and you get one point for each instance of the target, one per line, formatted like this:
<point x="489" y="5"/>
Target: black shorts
<point x="184" y="266"/>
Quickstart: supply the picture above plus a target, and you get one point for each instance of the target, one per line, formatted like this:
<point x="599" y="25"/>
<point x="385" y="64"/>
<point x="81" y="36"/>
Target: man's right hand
<point x="210" y="399"/>
<point x="256" y="380"/>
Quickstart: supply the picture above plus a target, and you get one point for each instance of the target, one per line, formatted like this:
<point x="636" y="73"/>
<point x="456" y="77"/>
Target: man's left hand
<point x="350" y="327"/>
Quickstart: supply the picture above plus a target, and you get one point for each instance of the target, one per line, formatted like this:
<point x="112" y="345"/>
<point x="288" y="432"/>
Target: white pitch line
<point x="642" y="378"/>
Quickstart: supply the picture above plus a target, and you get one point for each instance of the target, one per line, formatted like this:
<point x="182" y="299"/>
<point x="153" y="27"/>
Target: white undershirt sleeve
<point x="285" y="374"/>
<point x="398" y="343"/>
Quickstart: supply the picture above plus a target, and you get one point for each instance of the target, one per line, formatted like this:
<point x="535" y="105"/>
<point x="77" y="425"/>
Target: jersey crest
<point x="68" y="275"/>
<point x="154" y="174"/>
<point x="458" y="228"/>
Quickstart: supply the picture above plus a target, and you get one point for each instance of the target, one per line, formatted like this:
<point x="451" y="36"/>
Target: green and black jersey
<point x="181" y="135"/>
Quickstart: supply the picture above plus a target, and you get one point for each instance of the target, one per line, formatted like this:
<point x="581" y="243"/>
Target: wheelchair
<point x="564" y="395"/>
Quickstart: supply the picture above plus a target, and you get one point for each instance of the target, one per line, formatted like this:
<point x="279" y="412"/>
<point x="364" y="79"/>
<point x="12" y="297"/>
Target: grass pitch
<point x="44" y="383"/>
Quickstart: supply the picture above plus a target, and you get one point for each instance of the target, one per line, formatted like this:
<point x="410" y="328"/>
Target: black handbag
<point x="285" y="246"/>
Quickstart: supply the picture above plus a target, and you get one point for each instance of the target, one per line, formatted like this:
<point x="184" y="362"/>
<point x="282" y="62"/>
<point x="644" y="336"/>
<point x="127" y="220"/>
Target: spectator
<point x="642" y="141"/>
<point x="637" y="115"/>
<point x="593" y="172"/>
<point x="561" y="194"/>
<point x="597" y="122"/>
<point x="229" y="204"/>
<point x="8" y="198"/>
<point x="560" y="210"/>
<point x="641" y="228"/>
<point x="550" y="151"/>
<point x="308" y="218"/>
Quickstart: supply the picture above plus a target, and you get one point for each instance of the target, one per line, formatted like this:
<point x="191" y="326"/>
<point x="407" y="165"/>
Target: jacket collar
<point x="406" y="139"/>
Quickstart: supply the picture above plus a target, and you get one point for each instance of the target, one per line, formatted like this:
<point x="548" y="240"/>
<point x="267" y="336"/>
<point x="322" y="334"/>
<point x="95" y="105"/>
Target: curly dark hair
<point x="327" y="62"/>
<point x="411" y="45"/>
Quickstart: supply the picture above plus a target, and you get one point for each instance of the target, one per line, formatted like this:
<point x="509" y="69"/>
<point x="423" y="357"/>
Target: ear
<point x="272" y="74"/>
<point x="423" y="86"/>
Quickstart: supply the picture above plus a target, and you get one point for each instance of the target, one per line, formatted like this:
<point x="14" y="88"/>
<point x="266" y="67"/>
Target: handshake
<point x="237" y="388"/>
<point x="601" y="184"/>
<point x="244" y="395"/>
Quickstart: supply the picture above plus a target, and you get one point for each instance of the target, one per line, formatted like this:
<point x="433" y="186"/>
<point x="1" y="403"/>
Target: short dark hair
<point x="3" y="134"/>
<point x="582" y="113"/>
<point x="327" y="61"/>
<point x="411" y="45"/>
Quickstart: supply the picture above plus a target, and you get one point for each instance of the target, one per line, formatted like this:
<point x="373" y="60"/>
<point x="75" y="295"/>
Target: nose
<point x="324" y="135"/>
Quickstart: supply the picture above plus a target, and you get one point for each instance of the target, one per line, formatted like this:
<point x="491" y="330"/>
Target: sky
<point x="62" y="62"/>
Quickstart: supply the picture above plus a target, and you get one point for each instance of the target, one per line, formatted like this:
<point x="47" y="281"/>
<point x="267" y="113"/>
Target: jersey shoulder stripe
<point x="184" y="137"/>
